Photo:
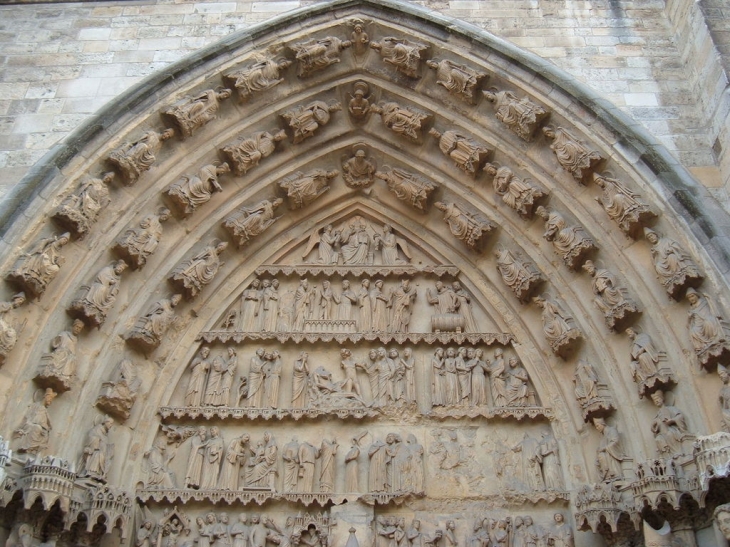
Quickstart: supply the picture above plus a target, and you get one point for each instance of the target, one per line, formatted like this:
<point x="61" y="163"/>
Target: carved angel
<point x="412" y="189"/>
<point x="134" y="158"/>
<point x="194" y="274"/>
<point x="403" y="54"/>
<point x="260" y="76"/>
<point x="459" y="80"/>
<point x="192" y="191"/>
<point x="37" y="268"/>
<point x="315" y="55"/>
<point x="79" y="211"/>
<point x="250" y="221"/>
<point x="135" y="246"/>
<point x="389" y="243"/>
<point x="325" y="242"/>
<point x="192" y="113"/>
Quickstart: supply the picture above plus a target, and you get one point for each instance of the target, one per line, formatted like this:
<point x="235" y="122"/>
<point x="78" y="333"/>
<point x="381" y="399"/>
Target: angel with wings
<point x="389" y="243"/>
<point x="325" y="242"/>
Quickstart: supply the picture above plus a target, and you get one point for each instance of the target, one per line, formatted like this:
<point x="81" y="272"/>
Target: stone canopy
<point x="547" y="286"/>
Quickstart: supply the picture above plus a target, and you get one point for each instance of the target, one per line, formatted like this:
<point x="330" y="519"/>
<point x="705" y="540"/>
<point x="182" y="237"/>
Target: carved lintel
<point x="357" y="271"/>
<point x="467" y="154"/>
<point x="521" y="116"/>
<point x="459" y="80"/>
<point x="573" y="156"/>
<point x="402" y="120"/>
<point x="624" y="207"/>
<point x="246" y="152"/>
<point x="252" y="220"/>
<point x="258" y="77"/>
<point x="133" y="159"/>
<point x="489" y="339"/>
<point x="191" y="113"/>
<point x="317" y="54"/>
<point x="517" y="413"/>
<point x="305" y="120"/>
<point x="408" y="187"/>
<point x="301" y="189"/>
<point x="253" y="414"/>
<point x="403" y="54"/>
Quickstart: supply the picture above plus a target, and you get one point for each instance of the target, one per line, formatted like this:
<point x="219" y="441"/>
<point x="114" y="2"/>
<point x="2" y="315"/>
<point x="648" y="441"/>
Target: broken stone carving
<point x="246" y="153"/>
<point x="305" y="120"/>
<point x="117" y="396"/>
<point x="191" y="113"/>
<point x="191" y="276"/>
<point x="98" y="451"/>
<point x="8" y="330"/>
<point x="458" y="79"/>
<point x="395" y="466"/>
<point x="301" y="189"/>
<point x="136" y="245"/>
<point x="519" y="274"/>
<point x="591" y="394"/>
<point x="359" y="171"/>
<point x="521" y="195"/>
<point x="521" y="116"/>
<point x="359" y="104"/>
<point x="403" y="54"/>
<point x="471" y="228"/>
<point x="619" y="310"/>
<point x="467" y="154"/>
<point x="35" y="430"/>
<point x="709" y="333"/>
<point x="571" y="243"/>
<point x="192" y="191"/>
<point x="610" y="452"/>
<point x="646" y="360"/>
<point x="576" y="158"/>
<point x="93" y="303"/>
<point x="675" y="268"/>
<point x="251" y="221"/>
<point x="79" y="211"/>
<point x="413" y="189"/>
<point x="668" y="426"/>
<point x="262" y="75"/>
<point x="317" y="54"/>
<point x="623" y="206"/>
<point x="401" y="120"/>
<point x="132" y="159"/>
<point x="58" y="367"/>
<point x="34" y="270"/>
<point x="559" y="327"/>
<point x="148" y="331"/>
<point x="158" y="459"/>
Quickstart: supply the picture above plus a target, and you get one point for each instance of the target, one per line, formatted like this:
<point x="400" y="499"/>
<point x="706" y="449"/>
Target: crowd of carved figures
<point x="459" y="375"/>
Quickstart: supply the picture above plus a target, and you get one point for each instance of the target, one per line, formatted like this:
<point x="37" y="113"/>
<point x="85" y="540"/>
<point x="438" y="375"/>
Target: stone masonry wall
<point x="60" y="62"/>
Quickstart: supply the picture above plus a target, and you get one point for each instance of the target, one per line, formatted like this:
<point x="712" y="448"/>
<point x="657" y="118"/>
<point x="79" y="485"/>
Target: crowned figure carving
<point x="191" y="113"/>
<point x="94" y="303"/>
<point x="136" y="245"/>
<point x="192" y="191"/>
<point x="403" y="54"/>
<point x="521" y="116"/>
<point x="571" y="243"/>
<point x="467" y="154"/>
<point x="79" y="211"/>
<point x="192" y="275"/>
<point x="34" y="270"/>
<point x="303" y="189"/>
<point x="133" y="159"/>
<point x="460" y="80"/>
<point x="263" y="74"/>
<point x="246" y="153"/>
<point x="573" y="156"/>
<point x="252" y="220"/>
<point x="317" y="54"/>
<point x="625" y="207"/>
<point x="413" y="189"/>
<point x="519" y="194"/>
<point x="305" y="120"/>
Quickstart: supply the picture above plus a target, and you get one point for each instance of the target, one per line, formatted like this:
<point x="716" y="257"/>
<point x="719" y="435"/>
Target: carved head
<point x="722" y="519"/>
<point x="231" y="351"/>
<point x="693" y="296"/>
<point x="107" y="422"/>
<point x="450" y="525"/>
<point x="260" y="352"/>
<point x="204" y="352"/>
<point x="658" y="398"/>
<point x="451" y="352"/>
<point x="439" y="286"/>
<point x="275" y="283"/>
<point x="210" y="518"/>
<point x="558" y="518"/>
<point x="243" y="518"/>
<point x="589" y="267"/>
<point x="345" y="284"/>
<point x="498" y="353"/>
<point x="651" y="236"/>
<point x="599" y="424"/>
<point x="77" y="327"/>
<point x="326" y="284"/>
<point x="528" y="521"/>
<point x="439" y="352"/>
<point x="393" y="353"/>
<point x="513" y="362"/>
<point x="266" y="283"/>
<point x="366" y="283"/>
<point x="407" y="352"/>
<point x="18" y="300"/>
<point x="255" y="519"/>
<point x="416" y="524"/>
<point x="202" y="432"/>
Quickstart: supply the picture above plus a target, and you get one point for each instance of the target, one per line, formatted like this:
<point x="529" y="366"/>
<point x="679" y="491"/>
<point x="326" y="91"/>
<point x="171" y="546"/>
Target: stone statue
<point x="446" y="304"/>
<point x="317" y="54"/>
<point x="585" y="382"/>
<point x="724" y="397"/>
<point x="290" y="456"/>
<point x="35" y="430"/>
<point x="98" y="451"/>
<point x="613" y="300"/>
<point x="303" y="303"/>
<point x="645" y="369"/>
<point x="270" y="306"/>
<point x="519" y="194"/>
<point x="389" y="244"/>
<point x="300" y="378"/>
<point x="80" y="211"/>
<point x="623" y="206"/>
<point x="668" y="426"/>
<point x="195" y="459"/>
<point x="404" y="55"/>
<point x="158" y="459"/>
<point x="572" y="243"/>
<point x="272" y="379"/>
<point x="256" y="376"/>
<point x="214" y="393"/>
<point x="192" y="113"/>
<point x="675" y="268"/>
<point x="326" y="456"/>
<point x="326" y="242"/>
<point x="132" y="159"/>
<point x="610" y="451"/>
<point x="192" y="191"/>
<point x="576" y="158"/>
<point x="150" y="328"/>
<point x="8" y="332"/>
<point x="478" y="368"/>
<point x="251" y="301"/>
<point x="261" y="466"/>
<point x="521" y="116"/>
<point x="560" y="329"/>
<point x="413" y="189"/>
<point x="722" y="519"/>
<point x="401" y="120"/>
<point x="439" y="396"/>
<point x="93" y="303"/>
<point x="199" y="368"/>
<point x="307" y="456"/>
<point x="305" y="120"/>
<point x="212" y="458"/>
<point x="498" y="373"/>
<point x="517" y="390"/>
<point x="360" y="41"/>
<point x="358" y="171"/>
<point x="251" y="221"/>
<point x="708" y="331"/>
<point x="355" y="247"/>
<point x="117" y="396"/>
<point x="345" y="301"/>
<point x="550" y="463"/>
<point x="459" y="80"/>
<point x="349" y="365"/>
<point x="262" y="75"/>
<point x="34" y="270"/>
<point x="136" y="245"/>
<point x="377" y="473"/>
<point x="378" y="303"/>
<point x="352" y="467"/>
<point x="359" y="104"/>
<point x="192" y="275"/>
<point x="58" y="367"/>
<point x="303" y="189"/>
<point x="520" y="275"/>
<point x="471" y="228"/>
<point x="401" y="304"/>
<point x="464" y="307"/>
<point x="561" y="534"/>
<point x="246" y="153"/>
<point x="468" y="155"/>
<point x="529" y="448"/>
